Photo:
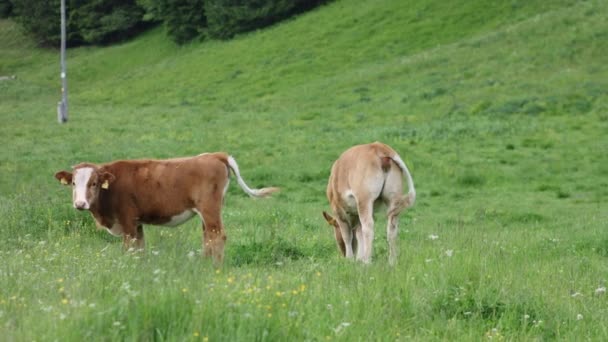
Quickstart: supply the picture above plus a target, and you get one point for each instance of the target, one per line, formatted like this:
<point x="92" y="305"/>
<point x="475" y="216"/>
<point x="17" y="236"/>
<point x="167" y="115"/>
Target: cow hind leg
<point x="391" y="235"/>
<point x="358" y="242"/>
<point x="366" y="211"/>
<point x="214" y="237"/>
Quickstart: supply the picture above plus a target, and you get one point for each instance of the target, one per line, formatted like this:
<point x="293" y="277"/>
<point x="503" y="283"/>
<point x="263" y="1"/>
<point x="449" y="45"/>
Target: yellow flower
<point x="195" y="334"/>
<point x="184" y="290"/>
<point x="302" y="288"/>
<point x="269" y="315"/>
<point x="318" y="274"/>
<point x="230" y="280"/>
<point x="64" y="301"/>
<point x="60" y="280"/>
<point x="205" y="339"/>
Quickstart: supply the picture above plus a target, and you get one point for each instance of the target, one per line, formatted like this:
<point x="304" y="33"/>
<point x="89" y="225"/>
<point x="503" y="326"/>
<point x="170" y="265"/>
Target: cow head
<point x="338" y="235"/>
<point x="87" y="181"/>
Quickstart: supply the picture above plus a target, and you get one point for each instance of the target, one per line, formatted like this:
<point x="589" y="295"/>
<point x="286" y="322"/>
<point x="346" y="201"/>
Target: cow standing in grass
<point x="123" y="195"/>
<point x="364" y="176"/>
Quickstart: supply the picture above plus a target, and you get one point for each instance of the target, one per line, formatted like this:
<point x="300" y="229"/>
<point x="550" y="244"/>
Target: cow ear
<point x="106" y="179"/>
<point x="329" y="219"/>
<point x="64" y="177"/>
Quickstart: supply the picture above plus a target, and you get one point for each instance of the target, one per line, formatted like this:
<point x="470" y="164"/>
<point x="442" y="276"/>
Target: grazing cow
<point x="123" y="195"/>
<point x="364" y="176"/>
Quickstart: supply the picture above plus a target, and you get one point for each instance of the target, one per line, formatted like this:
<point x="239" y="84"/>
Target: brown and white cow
<point x="123" y="195"/>
<point x="363" y="177"/>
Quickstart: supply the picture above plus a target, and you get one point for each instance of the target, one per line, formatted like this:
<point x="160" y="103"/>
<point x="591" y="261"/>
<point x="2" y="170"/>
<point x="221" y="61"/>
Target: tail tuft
<point x="251" y="192"/>
<point x="264" y="192"/>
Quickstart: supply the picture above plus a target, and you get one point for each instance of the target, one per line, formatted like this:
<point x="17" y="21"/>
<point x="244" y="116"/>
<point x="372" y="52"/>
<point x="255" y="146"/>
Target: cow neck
<point x="101" y="208"/>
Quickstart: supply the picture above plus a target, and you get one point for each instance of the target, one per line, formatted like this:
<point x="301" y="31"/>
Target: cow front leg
<point x="347" y="237"/>
<point x="133" y="237"/>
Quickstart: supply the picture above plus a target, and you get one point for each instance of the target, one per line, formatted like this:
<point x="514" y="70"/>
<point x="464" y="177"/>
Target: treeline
<point x="108" y="21"/>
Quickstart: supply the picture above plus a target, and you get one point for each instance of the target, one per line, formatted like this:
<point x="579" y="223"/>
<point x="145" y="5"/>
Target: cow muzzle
<point x="81" y="205"/>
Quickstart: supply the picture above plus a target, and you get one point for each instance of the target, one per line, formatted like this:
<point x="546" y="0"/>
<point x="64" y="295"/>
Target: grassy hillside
<point x="500" y="112"/>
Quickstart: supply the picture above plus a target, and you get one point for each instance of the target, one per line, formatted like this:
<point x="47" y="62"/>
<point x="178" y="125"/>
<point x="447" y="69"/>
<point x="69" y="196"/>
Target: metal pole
<point x="62" y="107"/>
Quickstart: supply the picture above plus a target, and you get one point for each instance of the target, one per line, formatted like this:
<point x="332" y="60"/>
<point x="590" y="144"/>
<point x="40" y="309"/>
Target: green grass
<point x="500" y="112"/>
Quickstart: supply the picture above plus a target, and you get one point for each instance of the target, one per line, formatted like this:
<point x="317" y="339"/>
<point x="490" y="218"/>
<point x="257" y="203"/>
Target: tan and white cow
<point x="123" y="195"/>
<point x="363" y="177"/>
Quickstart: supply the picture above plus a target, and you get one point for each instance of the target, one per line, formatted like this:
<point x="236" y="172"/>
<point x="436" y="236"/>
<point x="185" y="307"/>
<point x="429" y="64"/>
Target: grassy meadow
<point x="499" y="110"/>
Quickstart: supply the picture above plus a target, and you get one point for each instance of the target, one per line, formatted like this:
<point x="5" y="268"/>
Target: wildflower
<point x="318" y="274"/>
<point x="576" y="294"/>
<point x="341" y="326"/>
<point x="433" y="237"/>
<point x="155" y="252"/>
<point x="64" y="301"/>
<point x="184" y="290"/>
<point x="196" y="334"/>
<point x="230" y="280"/>
<point x="579" y="317"/>
<point x="205" y="339"/>
<point x="449" y="253"/>
<point x="191" y="254"/>
<point x="600" y="290"/>
<point x="60" y="280"/>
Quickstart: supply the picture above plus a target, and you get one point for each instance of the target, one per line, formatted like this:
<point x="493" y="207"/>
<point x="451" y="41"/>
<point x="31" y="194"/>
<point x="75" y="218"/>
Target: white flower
<point x="116" y="323"/>
<point x="576" y="294"/>
<point x="449" y="253"/>
<point x="600" y="290"/>
<point x="191" y="254"/>
<point x="579" y="317"/>
<point x="433" y="237"/>
<point x="155" y="252"/>
<point x="341" y="326"/>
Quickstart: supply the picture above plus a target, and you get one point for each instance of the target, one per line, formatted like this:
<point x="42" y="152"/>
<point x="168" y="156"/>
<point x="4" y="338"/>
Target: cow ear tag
<point x="63" y="181"/>
<point x="105" y="185"/>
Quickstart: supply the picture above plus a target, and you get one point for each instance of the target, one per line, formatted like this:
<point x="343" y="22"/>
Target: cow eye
<point x="74" y="183"/>
<point x="94" y="184"/>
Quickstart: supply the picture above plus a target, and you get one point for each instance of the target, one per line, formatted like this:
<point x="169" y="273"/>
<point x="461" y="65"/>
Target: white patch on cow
<point x="115" y="230"/>
<point x="350" y="201"/>
<point x="180" y="218"/>
<point x="81" y="179"/>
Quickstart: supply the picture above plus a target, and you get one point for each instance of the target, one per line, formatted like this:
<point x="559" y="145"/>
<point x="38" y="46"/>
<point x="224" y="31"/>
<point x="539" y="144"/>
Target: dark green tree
<point x="183" y="19"/>
<point x="6" y="8"/>
<point x="226" y="18"/>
